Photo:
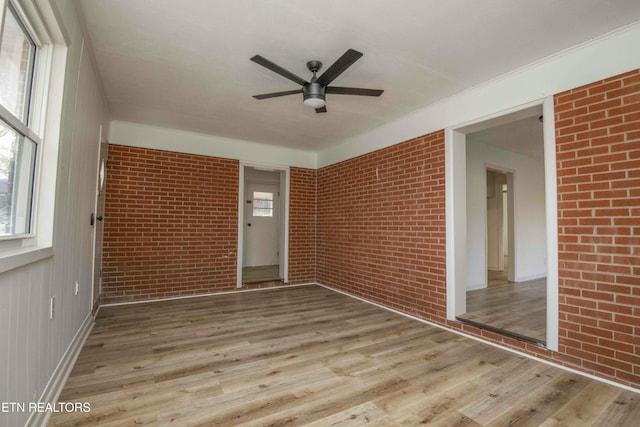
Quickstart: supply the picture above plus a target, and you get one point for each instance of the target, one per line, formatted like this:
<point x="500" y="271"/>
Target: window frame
<point x="26" y="127"/>
<point x="42" y="20"/>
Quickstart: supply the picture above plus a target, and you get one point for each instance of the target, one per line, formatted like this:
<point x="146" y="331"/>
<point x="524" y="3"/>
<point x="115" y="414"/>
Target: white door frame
<point x="456" y="224"/>
<point x="248" y="215"/>
<point x="98" y="225"/>
<point x="284" y="218"/>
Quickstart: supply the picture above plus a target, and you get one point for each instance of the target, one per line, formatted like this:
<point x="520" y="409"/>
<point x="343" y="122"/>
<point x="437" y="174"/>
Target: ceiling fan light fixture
<point x="313" y="95"/>
<point x="314" y="101"/>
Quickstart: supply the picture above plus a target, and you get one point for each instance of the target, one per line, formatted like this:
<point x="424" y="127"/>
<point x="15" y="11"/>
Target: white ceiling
<point x="185" y="64"/>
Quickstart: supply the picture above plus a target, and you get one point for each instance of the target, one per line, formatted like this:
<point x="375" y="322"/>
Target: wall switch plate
<point x="52" y="308"/>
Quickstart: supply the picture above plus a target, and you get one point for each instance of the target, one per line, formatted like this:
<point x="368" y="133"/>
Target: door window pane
<point x="262" y="203"/>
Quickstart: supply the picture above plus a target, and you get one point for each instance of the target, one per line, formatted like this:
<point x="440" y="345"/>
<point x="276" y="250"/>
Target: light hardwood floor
<point x="516" y="308"/>
<point x="263" y="273"/>
<point x="311" y="356"/>
<point x="497" y="277"/>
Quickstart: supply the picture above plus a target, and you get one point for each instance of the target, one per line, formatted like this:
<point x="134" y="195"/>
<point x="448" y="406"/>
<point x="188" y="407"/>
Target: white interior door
<point x="262" y="224"/>
<point x="97" y="220"/>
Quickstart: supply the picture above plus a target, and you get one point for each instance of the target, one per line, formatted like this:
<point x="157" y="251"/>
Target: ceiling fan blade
<point x="278" y="69"/>
<point x="276" y="94"/>
<point x="338" y="67"/>
<point x="321" y="109"/>
<point x="353" y="91"/>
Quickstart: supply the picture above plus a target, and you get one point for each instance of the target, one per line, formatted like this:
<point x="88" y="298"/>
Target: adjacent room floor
<point x="310" y="356"/>
<point x="263" y="273"/>
<point x="519" y="309"/>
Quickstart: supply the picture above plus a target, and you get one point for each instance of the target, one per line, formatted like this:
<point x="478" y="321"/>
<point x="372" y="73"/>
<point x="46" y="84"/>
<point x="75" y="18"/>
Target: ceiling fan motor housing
<point x="313" y="90"/>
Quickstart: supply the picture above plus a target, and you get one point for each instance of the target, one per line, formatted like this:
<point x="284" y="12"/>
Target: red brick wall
<point x="381" y="230"/>
<point x="302" y="226"/>
<point x="381" y="226"/>
<point x="598" y="160"/>
<point x="171" y="224"/>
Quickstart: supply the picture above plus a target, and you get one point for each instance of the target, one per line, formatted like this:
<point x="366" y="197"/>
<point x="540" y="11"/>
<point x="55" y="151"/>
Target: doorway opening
<point x="262" y="225"/>
<point x="501" y="222"/>
<point x="500" y="232"/>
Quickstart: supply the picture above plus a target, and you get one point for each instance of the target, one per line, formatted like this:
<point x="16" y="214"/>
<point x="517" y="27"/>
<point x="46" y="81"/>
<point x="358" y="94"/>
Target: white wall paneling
<point x="36" y="351"/>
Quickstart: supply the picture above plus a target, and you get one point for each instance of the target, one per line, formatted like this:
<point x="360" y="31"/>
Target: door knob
<point x="249" y="225"/>
<point x="93" y="219"/>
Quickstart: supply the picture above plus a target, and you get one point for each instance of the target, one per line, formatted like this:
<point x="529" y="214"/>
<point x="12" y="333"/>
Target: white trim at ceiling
<point x="143" y="136"/>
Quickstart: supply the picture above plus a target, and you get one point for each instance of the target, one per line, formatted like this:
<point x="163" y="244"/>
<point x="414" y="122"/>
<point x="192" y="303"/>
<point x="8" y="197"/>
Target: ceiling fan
<point x="314" y="91"/>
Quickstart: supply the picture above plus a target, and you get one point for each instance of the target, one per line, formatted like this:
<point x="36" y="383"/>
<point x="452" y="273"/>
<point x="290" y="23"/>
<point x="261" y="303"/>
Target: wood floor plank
<point x="585" y="406"/>
<point x="617" y="413"/>
<point x="366" y="414"/>
<point x="310" y="356"/>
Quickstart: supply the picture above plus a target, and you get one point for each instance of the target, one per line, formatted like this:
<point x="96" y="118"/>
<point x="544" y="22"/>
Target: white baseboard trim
<point x="212" y="294"/>
<point x="475" y="286"/>
<point x="60" y="375"/>
<point x="530" y="277"/>
<point x="491" y="343"/>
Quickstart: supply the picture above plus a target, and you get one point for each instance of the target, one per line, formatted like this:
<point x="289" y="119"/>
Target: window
<point x="17" y="162"/>
<point x="33" y="58"/>
<point x="18" y="143"/>
<point x="17" y="57"/>
<point x="262" y="203"/>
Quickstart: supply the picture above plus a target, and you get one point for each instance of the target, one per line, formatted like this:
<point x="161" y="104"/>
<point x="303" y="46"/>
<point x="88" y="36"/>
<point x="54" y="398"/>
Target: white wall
<point x="529" y="205"/>
<point x="32" y="345"/>
<point x="252" y="174"/>
<point x="144" y="136"/>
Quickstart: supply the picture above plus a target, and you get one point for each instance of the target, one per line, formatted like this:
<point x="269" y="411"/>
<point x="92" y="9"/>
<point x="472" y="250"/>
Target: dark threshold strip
<point x="502" y="332"/>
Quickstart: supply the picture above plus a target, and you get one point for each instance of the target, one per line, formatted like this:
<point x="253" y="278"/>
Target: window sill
<point x="18" y="258"/>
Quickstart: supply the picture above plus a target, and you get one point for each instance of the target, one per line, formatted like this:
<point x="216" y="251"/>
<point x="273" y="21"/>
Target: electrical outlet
<point x="77" y="287"/>
<point x="52" y="308"/>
